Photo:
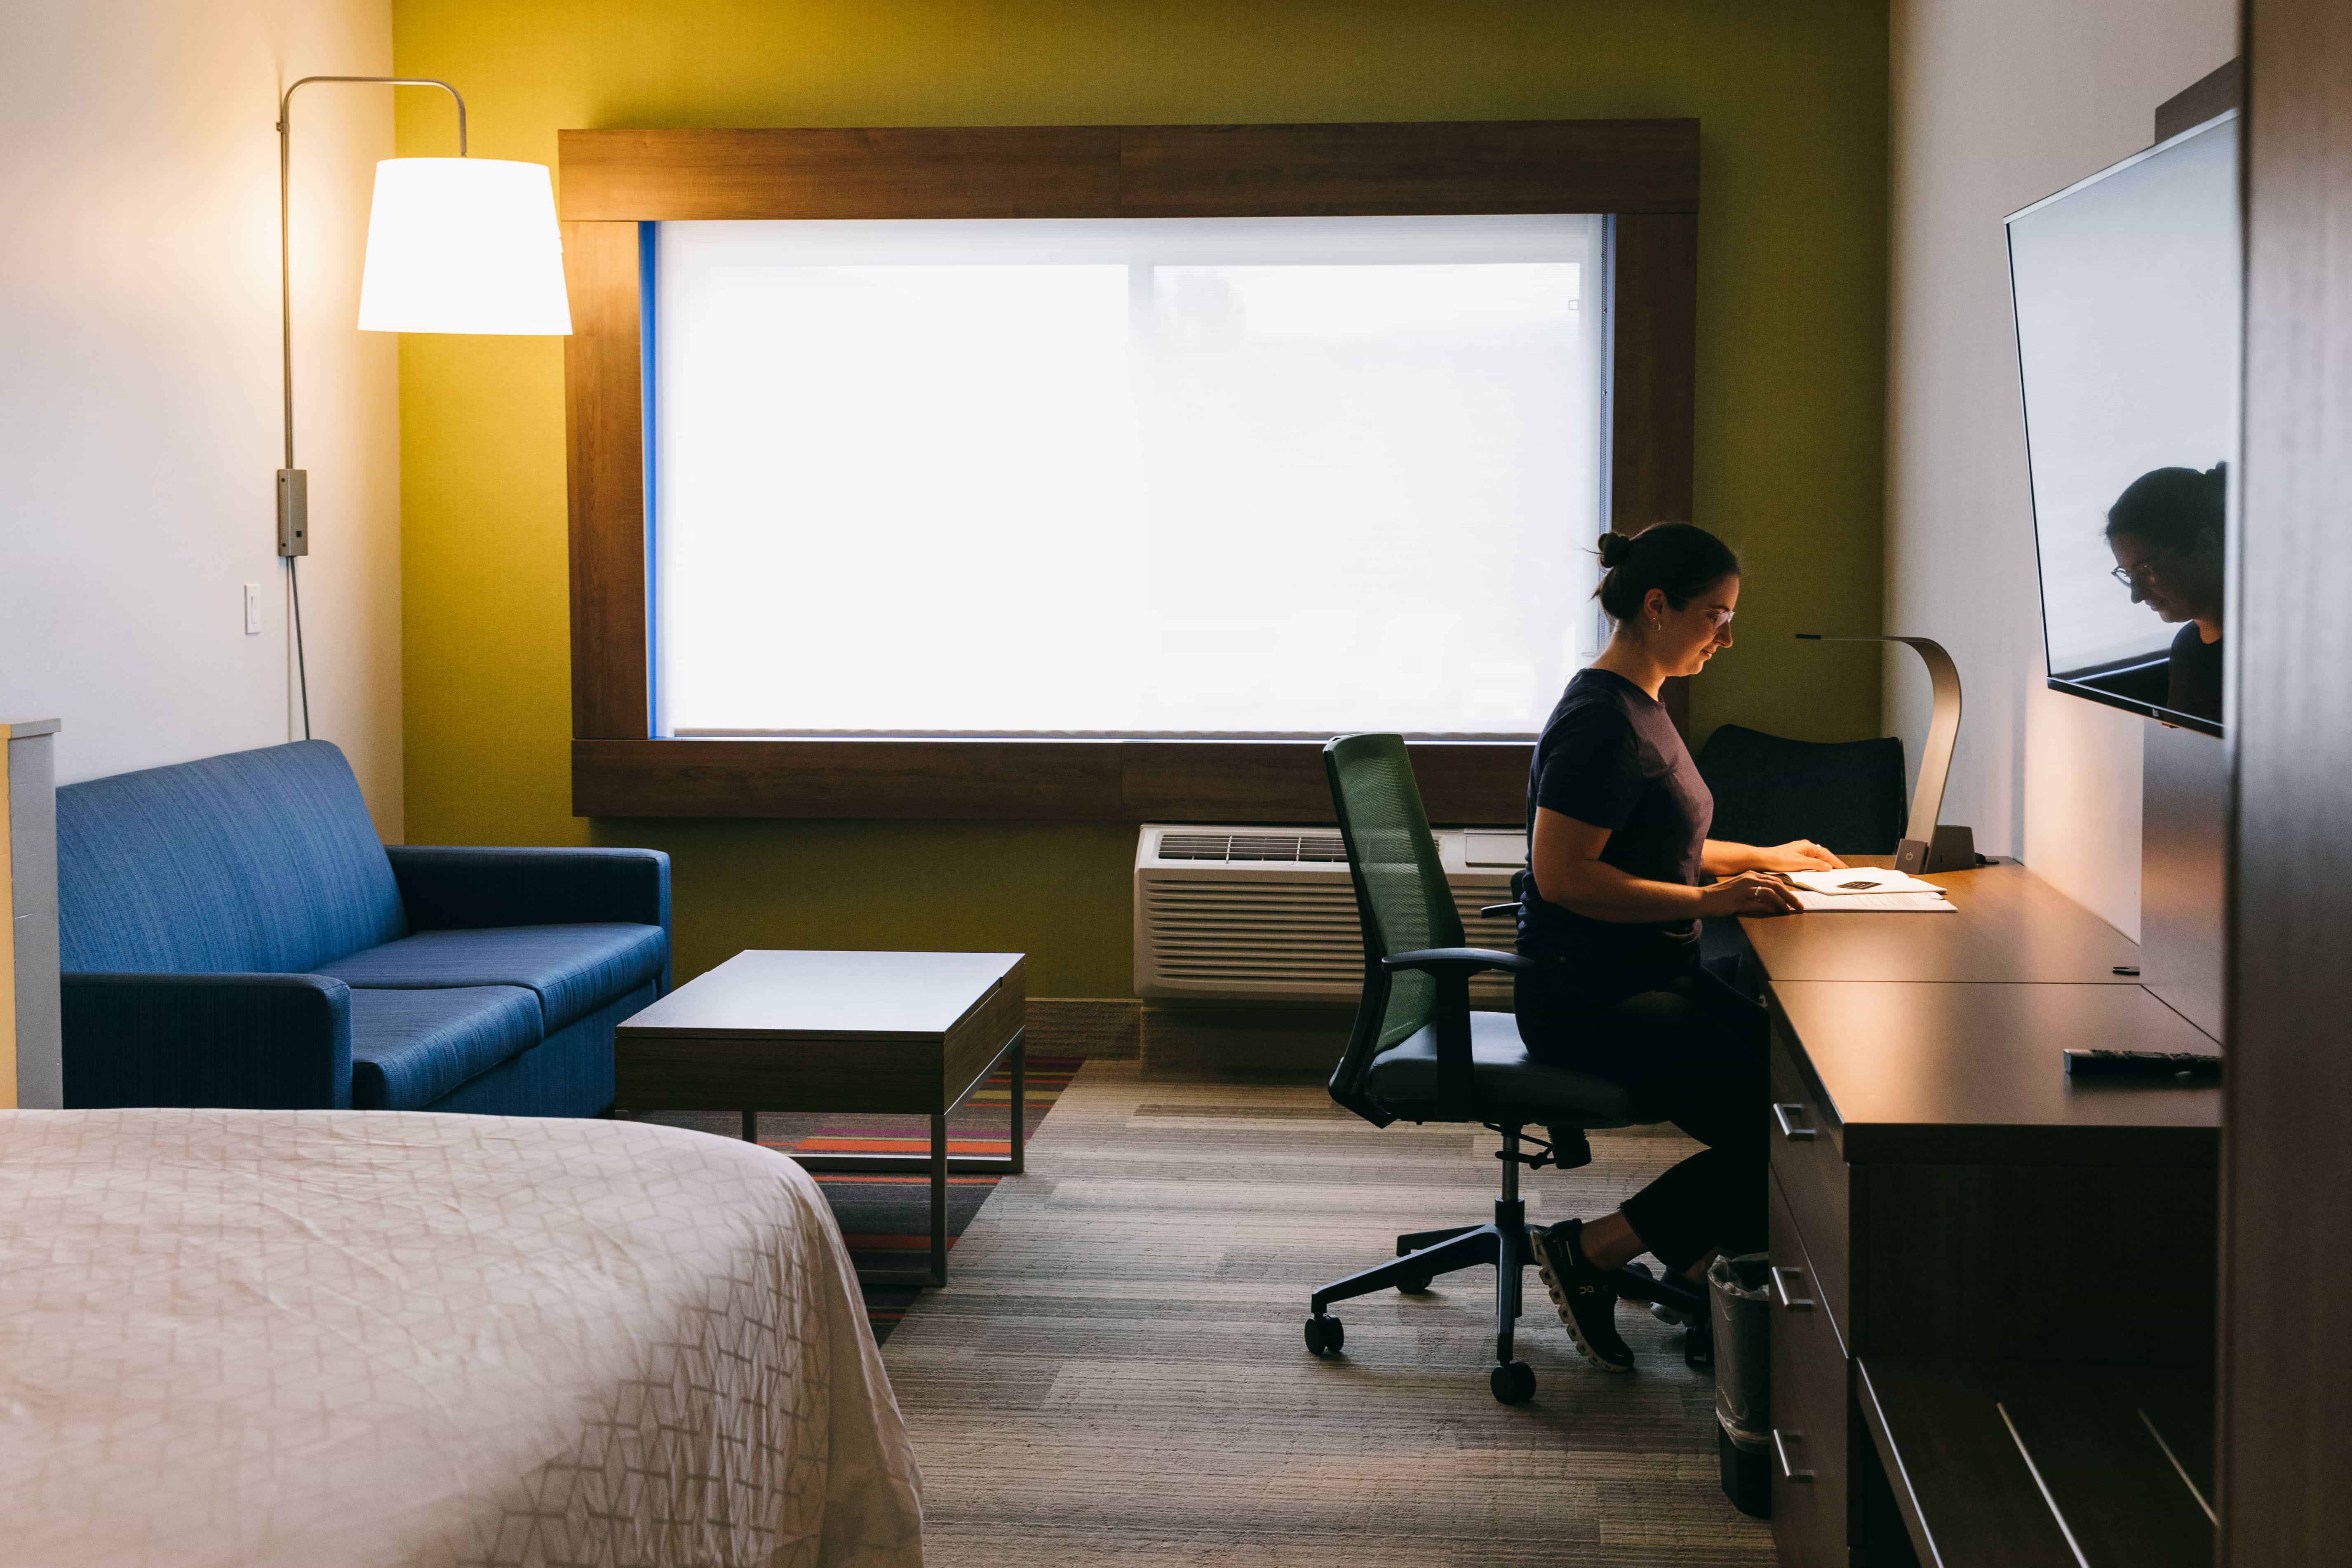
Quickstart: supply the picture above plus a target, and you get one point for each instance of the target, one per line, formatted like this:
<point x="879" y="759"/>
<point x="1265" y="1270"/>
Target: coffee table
<point x="818" y="1031"/>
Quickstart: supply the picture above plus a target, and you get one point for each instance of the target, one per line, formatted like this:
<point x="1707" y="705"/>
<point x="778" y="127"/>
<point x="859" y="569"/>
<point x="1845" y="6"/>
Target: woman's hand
<point x="1797" y="855"/>
<point x="1749" y="893"/>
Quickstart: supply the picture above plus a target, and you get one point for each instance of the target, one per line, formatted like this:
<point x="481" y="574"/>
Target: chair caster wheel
<point x="1416" y="1286"/>
<point x="1514" y="1382"/>
<point x="1324" y="1335"/>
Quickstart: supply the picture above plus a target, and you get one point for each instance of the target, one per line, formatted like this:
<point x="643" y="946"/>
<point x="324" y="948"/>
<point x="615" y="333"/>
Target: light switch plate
<point x="253" y="609"/>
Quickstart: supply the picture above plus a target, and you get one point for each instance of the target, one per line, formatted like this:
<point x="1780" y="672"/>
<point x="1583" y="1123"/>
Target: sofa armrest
<point x="262" y="1042"/>
<point x="466" y="888"/>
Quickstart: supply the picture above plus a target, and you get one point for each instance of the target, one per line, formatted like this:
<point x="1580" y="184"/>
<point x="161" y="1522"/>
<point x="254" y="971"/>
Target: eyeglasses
<point x="1721" y="618"/>
<point x="2141" y="574"/>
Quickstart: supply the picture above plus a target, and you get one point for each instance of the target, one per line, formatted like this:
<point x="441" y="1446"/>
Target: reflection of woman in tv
<point x="2166" y="532"/>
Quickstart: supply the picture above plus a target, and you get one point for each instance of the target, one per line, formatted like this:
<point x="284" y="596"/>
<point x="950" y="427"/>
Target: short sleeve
<point x="1592" y="767"/>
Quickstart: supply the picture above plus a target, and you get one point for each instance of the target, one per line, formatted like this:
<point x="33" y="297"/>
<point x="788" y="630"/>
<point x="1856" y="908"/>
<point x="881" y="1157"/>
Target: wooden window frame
<point x="1643" y="173"/>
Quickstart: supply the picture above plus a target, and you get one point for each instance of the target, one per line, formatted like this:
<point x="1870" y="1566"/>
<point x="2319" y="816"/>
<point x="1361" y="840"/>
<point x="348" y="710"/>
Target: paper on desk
<point x="1873" y="903"/>
<point x="1852" y="880"/>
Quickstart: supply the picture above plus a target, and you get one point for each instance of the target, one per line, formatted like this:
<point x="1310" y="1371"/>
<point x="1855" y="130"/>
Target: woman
<point x="2165" y="531"/>
<point x="1617" y="821"/>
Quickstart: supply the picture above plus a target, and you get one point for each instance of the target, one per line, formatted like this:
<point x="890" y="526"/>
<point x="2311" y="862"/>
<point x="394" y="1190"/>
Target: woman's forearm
<point x="1602" y="892"/>
<point x="1720" y="858"/>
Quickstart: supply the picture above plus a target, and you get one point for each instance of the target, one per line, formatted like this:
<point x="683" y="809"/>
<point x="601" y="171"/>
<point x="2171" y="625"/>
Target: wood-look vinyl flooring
<point x="1114" y="1373"/>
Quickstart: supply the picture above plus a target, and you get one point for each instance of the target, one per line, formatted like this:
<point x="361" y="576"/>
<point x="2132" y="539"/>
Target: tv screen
<point x="2128" y="292"/>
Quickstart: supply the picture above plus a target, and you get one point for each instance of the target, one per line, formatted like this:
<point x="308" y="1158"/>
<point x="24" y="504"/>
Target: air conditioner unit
<point x="1269" y="914"/>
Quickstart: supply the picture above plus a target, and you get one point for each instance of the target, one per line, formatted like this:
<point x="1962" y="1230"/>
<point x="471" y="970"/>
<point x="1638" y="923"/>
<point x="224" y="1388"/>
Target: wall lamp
<point x="1929" y="845"/>
<point x="454" y="245"/>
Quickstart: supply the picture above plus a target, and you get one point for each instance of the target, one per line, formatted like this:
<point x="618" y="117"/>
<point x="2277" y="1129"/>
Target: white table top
<point x="782" y="994"/>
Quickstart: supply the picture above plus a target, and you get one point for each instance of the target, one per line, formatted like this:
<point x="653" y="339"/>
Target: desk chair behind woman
<point x="1610" y="905"/>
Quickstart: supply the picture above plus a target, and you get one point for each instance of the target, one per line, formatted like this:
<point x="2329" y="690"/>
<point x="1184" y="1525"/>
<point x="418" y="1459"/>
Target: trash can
<point x="1740" y="1306"/>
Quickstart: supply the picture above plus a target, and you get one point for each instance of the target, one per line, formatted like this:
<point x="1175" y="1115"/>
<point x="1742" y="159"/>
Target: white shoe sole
<point x="1568" y="1318"/>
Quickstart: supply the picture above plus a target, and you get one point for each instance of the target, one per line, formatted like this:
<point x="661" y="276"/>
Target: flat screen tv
<point x="2127" y="289"/>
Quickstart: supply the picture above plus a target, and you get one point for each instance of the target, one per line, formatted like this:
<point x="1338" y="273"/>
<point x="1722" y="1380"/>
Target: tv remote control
<point x="2169" y="1066"/>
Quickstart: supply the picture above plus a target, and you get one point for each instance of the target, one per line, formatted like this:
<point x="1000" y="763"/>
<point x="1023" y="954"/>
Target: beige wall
<point x="1995" y="104"/>
<point x="139" y="376"/>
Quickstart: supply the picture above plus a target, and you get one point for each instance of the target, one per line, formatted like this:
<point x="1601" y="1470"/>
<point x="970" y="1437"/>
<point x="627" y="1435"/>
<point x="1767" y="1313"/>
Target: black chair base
<point x="1422" y="1256"/>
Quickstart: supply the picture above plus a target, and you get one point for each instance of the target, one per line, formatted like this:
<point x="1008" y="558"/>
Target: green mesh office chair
<point x="1418" y="1053"/>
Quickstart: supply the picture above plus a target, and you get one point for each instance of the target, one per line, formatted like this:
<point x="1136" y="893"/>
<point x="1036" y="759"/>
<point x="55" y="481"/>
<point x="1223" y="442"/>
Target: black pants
<point x="1692" y="1050"/>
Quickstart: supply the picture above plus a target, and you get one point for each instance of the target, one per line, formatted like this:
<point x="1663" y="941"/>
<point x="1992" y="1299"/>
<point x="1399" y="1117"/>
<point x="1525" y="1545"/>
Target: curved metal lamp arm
<point x="293" y="484"/>
<point x="285" y="242"/>
<point x="1935" y="758"/>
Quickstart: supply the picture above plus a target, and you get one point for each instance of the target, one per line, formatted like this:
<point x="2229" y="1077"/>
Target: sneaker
<point x="1587" y="1301"/>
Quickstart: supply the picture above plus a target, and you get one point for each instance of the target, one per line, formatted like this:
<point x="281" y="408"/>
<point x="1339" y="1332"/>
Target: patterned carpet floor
<point x="887" y="1219"/>
<point x="1114" y="1373"/>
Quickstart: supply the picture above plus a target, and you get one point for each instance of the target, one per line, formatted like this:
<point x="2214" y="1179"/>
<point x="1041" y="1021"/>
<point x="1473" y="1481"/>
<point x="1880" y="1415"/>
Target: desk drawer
<point x="1810" y="1409"/>
<point x="1814" y="1179"/>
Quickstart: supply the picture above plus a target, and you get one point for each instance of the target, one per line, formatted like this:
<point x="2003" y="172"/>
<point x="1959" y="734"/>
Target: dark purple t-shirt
<point x="1610" y="756"/>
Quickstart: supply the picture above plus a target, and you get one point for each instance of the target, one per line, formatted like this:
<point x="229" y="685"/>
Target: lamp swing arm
<point x="285" y="227"/>
<point x="1955" y="848"/>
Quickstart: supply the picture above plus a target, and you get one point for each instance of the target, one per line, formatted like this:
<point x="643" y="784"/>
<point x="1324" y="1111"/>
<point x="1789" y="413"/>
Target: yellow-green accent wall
<point x="1791" y="361"/>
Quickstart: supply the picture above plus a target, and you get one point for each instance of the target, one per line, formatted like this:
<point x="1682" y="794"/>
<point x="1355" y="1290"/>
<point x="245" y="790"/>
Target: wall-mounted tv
<point x="2127" y="288"/>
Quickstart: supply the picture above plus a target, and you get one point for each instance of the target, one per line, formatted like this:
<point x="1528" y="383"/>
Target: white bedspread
<point x="323" y="1338"/>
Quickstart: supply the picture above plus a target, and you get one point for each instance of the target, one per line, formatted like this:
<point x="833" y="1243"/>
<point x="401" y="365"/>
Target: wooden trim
<point x="1135" y="171"/>
<point x="1645" y="171"/>
<point x="1653" y="458"/>
<point x="1064" y="781"/>
<point x="605" y="437"/>
<point x="2287" y="1361"/>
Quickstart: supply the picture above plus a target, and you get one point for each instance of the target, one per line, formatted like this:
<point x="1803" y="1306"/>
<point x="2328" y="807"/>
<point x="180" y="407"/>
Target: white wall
<point x="140" y="391"/>
<point x="1997" y="103"/>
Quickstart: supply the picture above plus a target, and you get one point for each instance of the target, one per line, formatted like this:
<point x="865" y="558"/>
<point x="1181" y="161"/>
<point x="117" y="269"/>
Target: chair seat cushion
<point x="411" y="1048"/>
<point x="574" y="969"/>
<point x="1506" y="1080"/>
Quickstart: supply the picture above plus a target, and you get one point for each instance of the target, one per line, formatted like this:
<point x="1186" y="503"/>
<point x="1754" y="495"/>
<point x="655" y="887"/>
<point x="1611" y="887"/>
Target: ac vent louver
<point x="1242" y="913"/>
<point x="1296" y="849"/>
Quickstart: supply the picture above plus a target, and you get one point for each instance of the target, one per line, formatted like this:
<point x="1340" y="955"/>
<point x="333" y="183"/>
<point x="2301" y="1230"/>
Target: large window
<point x="1159" y="477"/>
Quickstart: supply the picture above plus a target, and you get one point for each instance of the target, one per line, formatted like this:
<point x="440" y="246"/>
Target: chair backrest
<point x="1401" y="896"/>
<point x="257" y="862"/>
<point x="1847" y="796"/>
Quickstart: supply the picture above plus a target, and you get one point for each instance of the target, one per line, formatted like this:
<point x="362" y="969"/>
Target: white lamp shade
<point x="463" y="245"/>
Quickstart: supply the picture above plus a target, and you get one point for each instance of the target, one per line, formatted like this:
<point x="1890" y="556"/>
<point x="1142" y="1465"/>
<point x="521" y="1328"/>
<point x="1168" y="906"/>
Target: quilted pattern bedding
<point x="357" y="1338"/>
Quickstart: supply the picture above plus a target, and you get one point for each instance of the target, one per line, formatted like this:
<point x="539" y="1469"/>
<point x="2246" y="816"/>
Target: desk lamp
<point x="1929" y="845"/>
<point x="454" y="245"/>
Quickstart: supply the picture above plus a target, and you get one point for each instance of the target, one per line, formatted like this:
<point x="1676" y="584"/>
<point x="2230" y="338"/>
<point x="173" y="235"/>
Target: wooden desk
<point x="1941" y="1194"/>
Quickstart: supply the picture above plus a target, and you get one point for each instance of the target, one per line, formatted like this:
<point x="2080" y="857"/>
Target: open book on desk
<point x="1865" y="890"/>
<point x="1873" y="903"/>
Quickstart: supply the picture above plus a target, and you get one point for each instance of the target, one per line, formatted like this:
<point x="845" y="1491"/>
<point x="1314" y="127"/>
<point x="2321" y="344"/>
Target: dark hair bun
<point x="1677" y="558"/>
<point x="2176" y="508"/>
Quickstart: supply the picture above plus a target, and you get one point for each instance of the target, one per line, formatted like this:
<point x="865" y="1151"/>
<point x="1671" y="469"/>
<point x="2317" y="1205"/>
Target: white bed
<point x="322" y="1337"/>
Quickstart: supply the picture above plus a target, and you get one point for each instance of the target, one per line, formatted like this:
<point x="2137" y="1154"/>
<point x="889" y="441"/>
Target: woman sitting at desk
<point x="1610" y="902"/>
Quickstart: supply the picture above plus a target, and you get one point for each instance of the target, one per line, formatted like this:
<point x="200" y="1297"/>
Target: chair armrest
<point x="467" y="887"/>
<point x="1491" y="911"/>
<point x="1451" y="968"/>
<point x="261" y="1042"/>
<point x="1463" y="961"/>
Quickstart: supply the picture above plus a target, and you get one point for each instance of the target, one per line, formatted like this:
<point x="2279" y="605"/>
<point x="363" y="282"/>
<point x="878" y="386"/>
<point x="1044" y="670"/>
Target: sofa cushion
<point x="411" y="1048"/>
<point x="258" y="862"/>
<point x="574" y="969"/>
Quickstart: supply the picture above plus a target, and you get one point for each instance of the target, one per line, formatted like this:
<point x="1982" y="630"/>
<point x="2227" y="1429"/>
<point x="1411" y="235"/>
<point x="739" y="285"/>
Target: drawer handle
<point x="1794" y="1134"/>
<point x="1780" y="1289"/>
<point x="1780" y="1447"/>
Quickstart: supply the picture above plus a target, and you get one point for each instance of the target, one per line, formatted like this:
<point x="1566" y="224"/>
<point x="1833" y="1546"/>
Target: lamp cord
<point x="301" y="666"/>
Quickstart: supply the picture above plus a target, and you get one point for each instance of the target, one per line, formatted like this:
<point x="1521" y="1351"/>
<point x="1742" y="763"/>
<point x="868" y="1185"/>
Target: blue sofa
<point x="233" y="935"/>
